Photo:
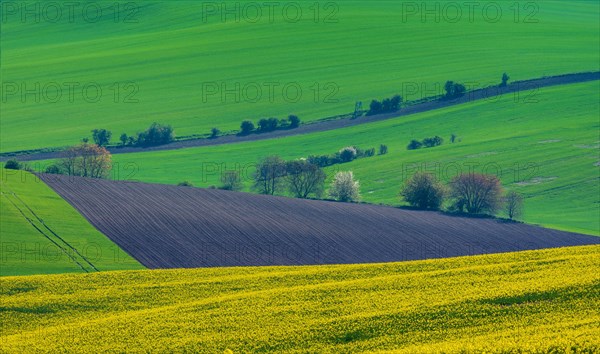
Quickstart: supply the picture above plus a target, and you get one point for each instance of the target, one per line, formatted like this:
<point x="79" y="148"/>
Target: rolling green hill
<point x="76" y="73"/>
<point x="536" y="302"/>
<point x="41" y="233"/>
<point x="547" y="149"/>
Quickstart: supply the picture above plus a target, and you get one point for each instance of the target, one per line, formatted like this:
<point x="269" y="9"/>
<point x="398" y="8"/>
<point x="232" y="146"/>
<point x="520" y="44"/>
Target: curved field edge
<point x="535" y="301"/>
<point x="166" y="226"/>
<point x="40" y="233"/>
<point x="169" y="53"/>
<point x="527" y="144"/>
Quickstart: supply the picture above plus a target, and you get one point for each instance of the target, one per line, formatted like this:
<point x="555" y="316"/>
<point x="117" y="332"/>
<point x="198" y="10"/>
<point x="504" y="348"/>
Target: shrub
<point x="383" y="149"/>
<point x="453" y="138"/>
<point x="53" y="169"/>
<point x="246" y="127"/>
<point x="185" y="184"/>
<point x="432" y="142"/>
<point x="320" y="160"/>
<point x="369" y="152"/>
<point x="12" y="164"/>
<point x="514" y="205"/>
<point x="294" y="121"/>
<point x="124" y="139"/>
<point x="454" y="90"/>
<point x="387" y="105"/>
<point x="156" y="134"/>
<point x="101" y="136"/>
<point x="347" y="154"/>
<point x="344" y="188"/>
<point x="375" y="107"/>
<point x="414" y="144"/>
<point x="214" y="132"/>
<point x="231" y="181"/>
<point x="268" y="125"/>
<point x="477" y="193"/>
<point x="423" y="191"/>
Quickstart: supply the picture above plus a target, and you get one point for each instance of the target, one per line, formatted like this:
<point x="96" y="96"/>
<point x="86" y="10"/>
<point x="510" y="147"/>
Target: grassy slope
<point x="26" y="251"/>
<point x="539" y="301"/>
<point x="170" y="52"/>
<point x="558" y="135"/>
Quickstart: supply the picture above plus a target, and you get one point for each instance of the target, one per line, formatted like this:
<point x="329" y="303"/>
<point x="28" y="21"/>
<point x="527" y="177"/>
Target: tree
<point x="414" y="144"/>
<point x="246" y="127"/>
<point x="101" y="136"/>
<point x="423" y="191"/>
<point x="396" y="101"/>
<point x="514" y="204"/>
<point x="124" y="138"/>
<point x="87" y="160"/>
<point x="305" y="179"/>
<point x="431" y="142"/>
<point x="294" y="121"/>
<point x="268" y="125"/>
<point x="477" y="193"/>
<point x="505" y="79"/>
<point x="156" y="134"/>
<point x="383" y="149"/>
<point x="375" y="107"/>
<point x="344" y="188"/>
<point x="12" y="164"/>
<point x="454" y="90"/>
<point x="453" y="138"/>
<point x="347" y="154"/>
<point x="231" y="180"/>
<point x="269" y="174"/>
<point x="53" y="169"/>
<point x="214" y="132"/>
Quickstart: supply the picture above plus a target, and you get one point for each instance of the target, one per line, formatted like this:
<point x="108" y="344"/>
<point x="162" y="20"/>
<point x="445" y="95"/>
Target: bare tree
<point x="344" y="188"/>
<point x="231" y="180"/>
<point x="513" y="204"/>
<point x="269" y="175"/>
<point x="305" y="179"/>
<point x="477" y="193"/>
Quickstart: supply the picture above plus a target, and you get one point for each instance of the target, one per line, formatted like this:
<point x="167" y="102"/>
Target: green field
<point x="548" y="150"/>
<point x="165" y="58"/>
<point x="536" y="302"/>
<point x="27" y="251"/>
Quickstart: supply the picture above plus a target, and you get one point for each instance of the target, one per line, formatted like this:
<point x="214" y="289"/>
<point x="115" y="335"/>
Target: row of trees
<point x="386" y="105"/>
<point x="472" y="193"/>
<point x="427" y="142"/>
<point x="269" y="124"/>
<point x="156" y="134"/>
<point x="344" y="155"/>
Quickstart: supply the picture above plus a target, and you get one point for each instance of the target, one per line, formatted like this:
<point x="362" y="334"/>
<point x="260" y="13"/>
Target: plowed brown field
<point x="165" y="226"/>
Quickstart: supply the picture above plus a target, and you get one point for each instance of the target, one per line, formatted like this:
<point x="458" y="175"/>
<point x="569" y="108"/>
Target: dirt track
<point x="485" y="93"/>
<point x="166" y="226"/>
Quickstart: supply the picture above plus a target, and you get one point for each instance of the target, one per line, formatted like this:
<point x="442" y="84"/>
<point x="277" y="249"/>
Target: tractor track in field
<point x="56" y="239"/>
<point x="165" y="226"/>
<point x="321" y="126"/>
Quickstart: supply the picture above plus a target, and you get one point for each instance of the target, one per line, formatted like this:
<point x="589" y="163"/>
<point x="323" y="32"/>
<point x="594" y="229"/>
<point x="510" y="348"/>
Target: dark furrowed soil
<point x="319" y="126"/>
<point x="166" y="226"/>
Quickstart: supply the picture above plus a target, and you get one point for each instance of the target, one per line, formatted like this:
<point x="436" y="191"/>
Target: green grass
<point x="535" y="302"/>
<point x="170" y="52"/>
<point x="26" y="251"/>
<point x="557" y="136"/>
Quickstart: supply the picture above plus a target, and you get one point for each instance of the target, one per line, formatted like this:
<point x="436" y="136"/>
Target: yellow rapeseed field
<point x="544" y="301"/>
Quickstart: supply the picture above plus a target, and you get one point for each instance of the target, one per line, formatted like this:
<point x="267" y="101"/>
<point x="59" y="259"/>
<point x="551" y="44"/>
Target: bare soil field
<point x="165" y="226"/>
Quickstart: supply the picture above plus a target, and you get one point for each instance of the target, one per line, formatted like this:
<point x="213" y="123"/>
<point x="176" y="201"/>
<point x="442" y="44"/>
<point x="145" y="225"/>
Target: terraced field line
<point x="41" y="221"/>
<point x="325" y="125"/>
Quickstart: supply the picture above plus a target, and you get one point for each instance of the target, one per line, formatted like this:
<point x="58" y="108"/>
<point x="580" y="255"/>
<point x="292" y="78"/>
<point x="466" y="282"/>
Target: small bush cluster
<point x="427" y="143"/>
<point x="156" y="134"/>
<point x="265" y="125"/>
<point x="472" y="193"/>
<point x="454" y="90"/>
<point x="346" y="154"/>
<point x="387" y="105"/>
